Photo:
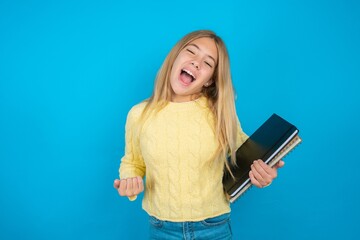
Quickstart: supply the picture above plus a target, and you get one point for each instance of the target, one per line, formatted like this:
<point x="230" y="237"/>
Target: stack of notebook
<point x="271" y="142"/>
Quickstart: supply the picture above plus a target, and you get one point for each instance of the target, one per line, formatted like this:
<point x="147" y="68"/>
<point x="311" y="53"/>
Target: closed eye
<point x="190" y="51"/>
<point x="208" y="64"/>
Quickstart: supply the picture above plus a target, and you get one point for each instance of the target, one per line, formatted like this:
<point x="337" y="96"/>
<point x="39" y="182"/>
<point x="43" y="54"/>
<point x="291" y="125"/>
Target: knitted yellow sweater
<point x="175" y="150"/>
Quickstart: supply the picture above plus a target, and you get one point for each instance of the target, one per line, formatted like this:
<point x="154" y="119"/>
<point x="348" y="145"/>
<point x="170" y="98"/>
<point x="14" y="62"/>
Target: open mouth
<point x="186" y="76"/>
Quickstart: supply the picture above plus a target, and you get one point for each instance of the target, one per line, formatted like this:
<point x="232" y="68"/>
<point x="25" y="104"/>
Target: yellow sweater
<point x="174" y="150"/>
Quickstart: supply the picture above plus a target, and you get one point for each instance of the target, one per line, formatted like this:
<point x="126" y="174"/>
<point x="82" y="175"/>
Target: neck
<point x="188" y="98"/>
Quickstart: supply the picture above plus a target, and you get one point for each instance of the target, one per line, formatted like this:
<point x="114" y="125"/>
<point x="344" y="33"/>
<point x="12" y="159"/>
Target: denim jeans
<point x="216" y="228"/>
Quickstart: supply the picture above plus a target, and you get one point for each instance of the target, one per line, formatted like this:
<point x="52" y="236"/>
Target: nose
<point x="195" y="64"/>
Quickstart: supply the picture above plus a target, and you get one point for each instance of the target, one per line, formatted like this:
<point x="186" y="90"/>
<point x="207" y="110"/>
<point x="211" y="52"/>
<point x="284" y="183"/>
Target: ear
<point x="208" y="83"/>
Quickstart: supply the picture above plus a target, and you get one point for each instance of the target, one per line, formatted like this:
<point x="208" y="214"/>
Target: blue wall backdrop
<point x="71" y="70"/>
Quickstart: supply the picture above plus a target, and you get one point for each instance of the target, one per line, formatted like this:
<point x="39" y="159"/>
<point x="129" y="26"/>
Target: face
<point x="193" y="69"/>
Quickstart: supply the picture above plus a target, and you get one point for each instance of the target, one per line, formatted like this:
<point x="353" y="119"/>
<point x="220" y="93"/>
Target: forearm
<point x="130" y="169"/>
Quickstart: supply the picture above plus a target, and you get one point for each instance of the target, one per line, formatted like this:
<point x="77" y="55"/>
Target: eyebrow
<point x="192" y="44"/>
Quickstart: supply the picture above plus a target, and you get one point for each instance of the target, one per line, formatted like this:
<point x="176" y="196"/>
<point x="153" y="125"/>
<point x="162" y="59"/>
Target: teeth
<point x="190" y="73"/>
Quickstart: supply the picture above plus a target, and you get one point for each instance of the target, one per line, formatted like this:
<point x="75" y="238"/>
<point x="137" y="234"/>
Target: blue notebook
<point x="270" y="142"/>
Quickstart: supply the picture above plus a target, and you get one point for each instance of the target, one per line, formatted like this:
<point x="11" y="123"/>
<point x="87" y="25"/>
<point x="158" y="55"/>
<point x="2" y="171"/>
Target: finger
<point x="141" y="184"/>
<point x="122" y="188"/>
<point x="138" y="185"/>
<point x="116" y="183"/>
<point x="129" y="187"/>
<point x="253" y="180"/>
<point x="266" y="168"/>
<point x="260" y="173"/>
<point x="257" y="175"/>
<point x="135" y="186"/>
<point x="272" y="172"/>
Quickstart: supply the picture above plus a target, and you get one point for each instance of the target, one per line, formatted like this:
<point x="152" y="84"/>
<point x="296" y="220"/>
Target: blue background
<point x="71" y="70"/>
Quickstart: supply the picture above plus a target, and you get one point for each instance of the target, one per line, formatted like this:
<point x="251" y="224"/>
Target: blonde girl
<point x="181" y="139"/>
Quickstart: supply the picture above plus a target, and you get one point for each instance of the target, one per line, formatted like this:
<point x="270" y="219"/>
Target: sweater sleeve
<point x="132" y="163"/>
<point x="241" y="137"/>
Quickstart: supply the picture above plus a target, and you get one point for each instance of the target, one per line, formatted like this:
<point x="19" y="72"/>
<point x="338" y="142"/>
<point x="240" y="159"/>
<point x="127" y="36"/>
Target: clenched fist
<point x="129" y="187"/>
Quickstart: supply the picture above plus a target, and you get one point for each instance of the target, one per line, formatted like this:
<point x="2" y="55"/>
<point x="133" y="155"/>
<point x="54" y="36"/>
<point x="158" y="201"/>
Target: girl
<point x="181" y="138"/>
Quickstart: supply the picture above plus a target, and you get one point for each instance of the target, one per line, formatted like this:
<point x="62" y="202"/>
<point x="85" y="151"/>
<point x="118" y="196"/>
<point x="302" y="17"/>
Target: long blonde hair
<point x="220" y="93"/>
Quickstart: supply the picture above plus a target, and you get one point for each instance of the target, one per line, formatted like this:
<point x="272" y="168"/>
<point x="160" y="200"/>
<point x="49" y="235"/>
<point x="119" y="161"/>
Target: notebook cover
<point x="262" y="144"/>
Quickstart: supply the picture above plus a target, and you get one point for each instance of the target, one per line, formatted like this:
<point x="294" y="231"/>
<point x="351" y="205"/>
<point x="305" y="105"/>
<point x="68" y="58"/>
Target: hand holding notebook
<point x="261" y="174"/>
<point x="270" y="142"/>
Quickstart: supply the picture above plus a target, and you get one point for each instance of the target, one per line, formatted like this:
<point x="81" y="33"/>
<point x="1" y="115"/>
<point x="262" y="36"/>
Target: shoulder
<point x="138" y="108"/>
<point x="136" y="111"/>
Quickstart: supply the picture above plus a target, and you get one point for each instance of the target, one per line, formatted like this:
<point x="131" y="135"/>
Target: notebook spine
<point x="288" y="148"/>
